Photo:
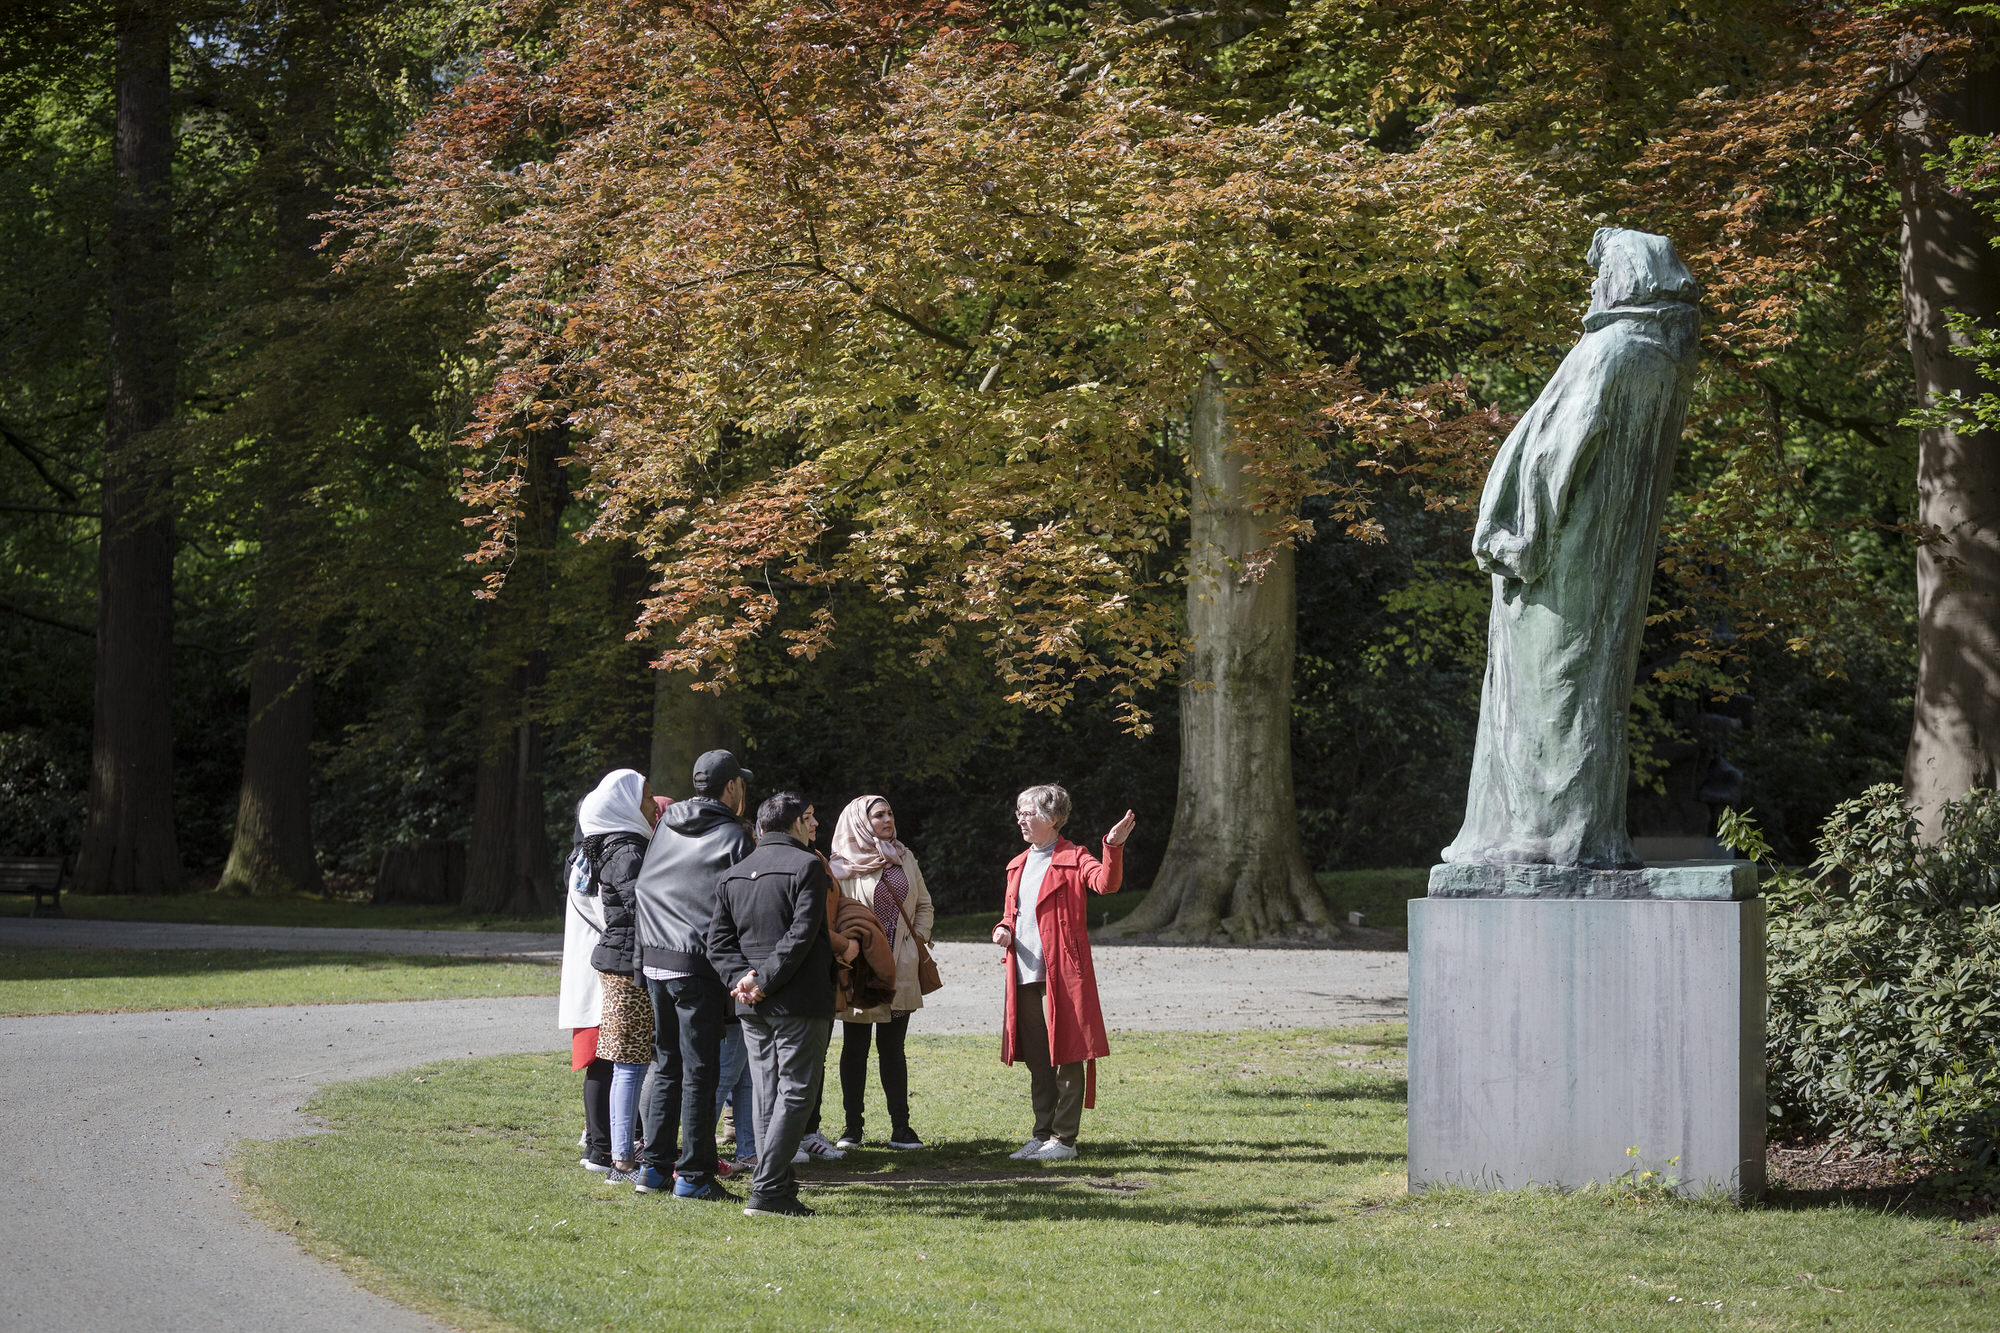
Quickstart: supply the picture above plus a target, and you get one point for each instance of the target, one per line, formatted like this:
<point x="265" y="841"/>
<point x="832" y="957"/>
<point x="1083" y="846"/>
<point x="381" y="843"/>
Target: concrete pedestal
<point x="1548" y="1036"/>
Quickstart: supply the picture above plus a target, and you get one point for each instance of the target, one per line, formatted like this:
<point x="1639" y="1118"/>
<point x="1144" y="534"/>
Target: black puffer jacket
<point x="615" y="859"/>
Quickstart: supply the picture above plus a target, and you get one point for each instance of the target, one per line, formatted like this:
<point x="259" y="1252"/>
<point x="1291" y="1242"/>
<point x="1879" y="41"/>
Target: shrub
<point x="1884" y="977"/>
<point x="41" y="796"/>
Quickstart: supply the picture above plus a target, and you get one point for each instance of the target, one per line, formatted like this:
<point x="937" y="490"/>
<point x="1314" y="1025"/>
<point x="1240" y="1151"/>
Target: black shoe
<point x="849" y="1138"/>
<point x="905" y="1138"/>
<point x="779" y="1208"/>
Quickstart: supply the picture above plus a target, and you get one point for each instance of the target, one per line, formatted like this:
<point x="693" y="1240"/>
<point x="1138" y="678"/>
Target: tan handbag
<point x="928" y="979"/>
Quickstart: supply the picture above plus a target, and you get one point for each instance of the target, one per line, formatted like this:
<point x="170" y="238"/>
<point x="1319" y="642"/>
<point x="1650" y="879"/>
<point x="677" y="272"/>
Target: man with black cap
<point x="697" y="840"/>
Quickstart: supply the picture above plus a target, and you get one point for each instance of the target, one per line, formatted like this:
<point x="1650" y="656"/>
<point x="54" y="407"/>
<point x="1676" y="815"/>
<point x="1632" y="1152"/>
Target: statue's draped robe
<point x="1568" y="527"/>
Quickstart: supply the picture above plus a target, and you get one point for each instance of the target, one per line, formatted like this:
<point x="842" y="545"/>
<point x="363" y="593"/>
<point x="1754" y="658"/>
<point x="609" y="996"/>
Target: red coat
<point x="1076" y="1024"/>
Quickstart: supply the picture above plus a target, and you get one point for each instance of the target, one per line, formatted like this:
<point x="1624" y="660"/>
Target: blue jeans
<point x="679" y="1103"/>
<point x="736" y="1089"/>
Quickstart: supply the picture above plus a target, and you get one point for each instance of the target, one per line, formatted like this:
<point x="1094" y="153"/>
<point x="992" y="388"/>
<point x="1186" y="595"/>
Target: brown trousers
<point x="1057" y="1089"/>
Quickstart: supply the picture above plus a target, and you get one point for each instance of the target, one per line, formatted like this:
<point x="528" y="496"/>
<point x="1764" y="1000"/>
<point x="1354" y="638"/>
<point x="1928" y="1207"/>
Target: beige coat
<point x="909" y="995"/>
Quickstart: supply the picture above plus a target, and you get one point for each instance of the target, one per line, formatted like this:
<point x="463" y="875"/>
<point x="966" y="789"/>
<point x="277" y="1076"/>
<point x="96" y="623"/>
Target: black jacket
<point x="697" y="840"/>
<point x="615" y="859"/>
<point x="770" y="918"/>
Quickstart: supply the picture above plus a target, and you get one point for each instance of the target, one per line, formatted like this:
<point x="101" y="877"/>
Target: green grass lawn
<point x="1232" y="1181"/>
<point x="73" y="981"/>
<point x="218" y="909"/>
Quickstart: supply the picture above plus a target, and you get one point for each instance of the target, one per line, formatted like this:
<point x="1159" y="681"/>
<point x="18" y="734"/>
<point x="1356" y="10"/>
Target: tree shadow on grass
<point x="1366" y="1089"/>
<point x="39" y="964"/>
<point x="1064" y="1198"/>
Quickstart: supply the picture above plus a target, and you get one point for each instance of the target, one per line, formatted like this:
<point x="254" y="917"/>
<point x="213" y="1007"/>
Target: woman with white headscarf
<point x="616" y="821"/>
<point x="874" y="868"/>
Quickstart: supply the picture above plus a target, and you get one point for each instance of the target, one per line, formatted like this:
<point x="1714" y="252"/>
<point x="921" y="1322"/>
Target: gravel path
<point x="114" y="1208"/>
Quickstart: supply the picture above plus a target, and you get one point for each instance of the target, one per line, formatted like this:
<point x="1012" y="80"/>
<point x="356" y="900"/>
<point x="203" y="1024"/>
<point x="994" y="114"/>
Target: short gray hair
<point x="1049" y="801"/>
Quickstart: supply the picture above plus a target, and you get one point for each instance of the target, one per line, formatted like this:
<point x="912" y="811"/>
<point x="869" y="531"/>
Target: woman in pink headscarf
<point x="874" y="868"/>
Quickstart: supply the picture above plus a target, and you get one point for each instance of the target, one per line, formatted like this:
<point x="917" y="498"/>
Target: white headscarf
<point x="614" y="806"/>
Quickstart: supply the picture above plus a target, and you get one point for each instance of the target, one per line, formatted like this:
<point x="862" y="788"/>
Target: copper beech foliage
<point x="859" y="291"/>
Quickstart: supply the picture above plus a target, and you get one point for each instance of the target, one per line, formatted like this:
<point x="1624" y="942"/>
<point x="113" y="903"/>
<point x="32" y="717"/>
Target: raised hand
<point x="1121" y="830"/>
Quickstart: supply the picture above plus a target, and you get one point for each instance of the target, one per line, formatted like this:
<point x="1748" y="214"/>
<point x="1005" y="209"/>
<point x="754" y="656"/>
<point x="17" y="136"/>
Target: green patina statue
<point x="1568" y="527"/>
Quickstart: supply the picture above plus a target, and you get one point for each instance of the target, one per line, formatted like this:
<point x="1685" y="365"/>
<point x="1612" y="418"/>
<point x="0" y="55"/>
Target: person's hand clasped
<point x="746" y="990"/>
<point x="1003" y="937"/>
<point x="1121" y="830"/>
<point x="850" y="950"/>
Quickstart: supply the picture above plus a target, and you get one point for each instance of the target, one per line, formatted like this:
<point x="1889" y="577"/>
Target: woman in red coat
<point x="1053" y="1022"/>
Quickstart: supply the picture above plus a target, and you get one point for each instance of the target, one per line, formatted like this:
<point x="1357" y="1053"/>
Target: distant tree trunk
<point x="687" y="723"/>
<point x="129" y="844"/>
<point x="630" y="741"/>
<point x="1234" y="865"/>
<point x="509" y="866"/>
<point x="273" y="849"/>
<point x="1949" y="264"/>
<point x="272" y="852"/>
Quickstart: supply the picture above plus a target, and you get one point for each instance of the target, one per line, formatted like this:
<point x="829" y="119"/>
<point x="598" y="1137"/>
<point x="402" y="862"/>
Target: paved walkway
<point x="115" y="1213"/>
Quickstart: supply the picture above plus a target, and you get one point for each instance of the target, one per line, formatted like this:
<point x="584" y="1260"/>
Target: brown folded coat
<point x="871" y="980"/>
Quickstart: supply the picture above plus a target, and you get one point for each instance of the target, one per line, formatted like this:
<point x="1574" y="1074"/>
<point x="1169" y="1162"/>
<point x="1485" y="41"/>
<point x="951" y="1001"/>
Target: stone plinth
<point x="1550" y="1035"/>
<point x="1723" y="881"/>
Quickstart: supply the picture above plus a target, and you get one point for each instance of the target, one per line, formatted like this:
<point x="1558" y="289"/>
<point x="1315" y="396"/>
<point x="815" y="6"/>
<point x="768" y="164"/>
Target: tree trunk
<point x="1949" y="264"/>
<point x="509" y="866"/>
<point x="129" y="844"/>
<point x="687" y="723"/>
<point x="273" y="850"/>
<point x="1234" y="865"/>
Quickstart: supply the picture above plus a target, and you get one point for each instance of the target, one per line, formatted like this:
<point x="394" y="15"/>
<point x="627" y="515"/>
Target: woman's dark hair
<point x="780" y="811"/>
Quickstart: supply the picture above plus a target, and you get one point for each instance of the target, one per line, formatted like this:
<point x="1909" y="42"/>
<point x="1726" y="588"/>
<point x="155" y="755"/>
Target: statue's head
<point x="1637" y="268"/>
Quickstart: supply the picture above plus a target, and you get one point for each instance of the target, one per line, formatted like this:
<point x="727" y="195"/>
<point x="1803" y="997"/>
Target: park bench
<point x="39" y="875"/>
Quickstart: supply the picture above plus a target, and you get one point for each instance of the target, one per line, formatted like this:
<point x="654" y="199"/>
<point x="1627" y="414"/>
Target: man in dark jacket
<point x="696" y="841"/>
<point x="769" y="942"/>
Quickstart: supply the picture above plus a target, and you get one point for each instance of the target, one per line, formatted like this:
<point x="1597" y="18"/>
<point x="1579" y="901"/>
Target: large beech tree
<point x="864" y="293"/>
<point x="129" y="844"/>
<point x="944" y="301"/>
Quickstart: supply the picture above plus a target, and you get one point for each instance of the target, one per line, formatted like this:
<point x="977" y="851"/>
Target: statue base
<point x="1574" y="1039"/>
<point x="1681" y="881"/>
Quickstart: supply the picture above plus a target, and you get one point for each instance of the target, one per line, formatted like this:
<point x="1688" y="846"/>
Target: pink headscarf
<point x="856" y="849"/>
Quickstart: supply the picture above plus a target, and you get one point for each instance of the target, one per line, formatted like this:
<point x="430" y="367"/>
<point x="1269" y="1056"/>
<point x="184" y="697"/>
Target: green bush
<point x="41" y="796"/>
<point x="1884" y="975"/>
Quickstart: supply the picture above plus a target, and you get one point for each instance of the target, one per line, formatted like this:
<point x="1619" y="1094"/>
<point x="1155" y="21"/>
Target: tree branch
<point x="34" y="457"/>
<point x="47" y="509"/>
<point x="1862" y="426"/>
<point x="25" y="614"/>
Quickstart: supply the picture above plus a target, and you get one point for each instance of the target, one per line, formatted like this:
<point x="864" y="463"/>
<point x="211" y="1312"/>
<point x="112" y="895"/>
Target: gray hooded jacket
<point x="696" y="841"/>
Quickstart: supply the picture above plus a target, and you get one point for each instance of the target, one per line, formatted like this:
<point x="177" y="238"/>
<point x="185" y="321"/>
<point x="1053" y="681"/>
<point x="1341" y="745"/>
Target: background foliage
<point x="1751" y="132"/>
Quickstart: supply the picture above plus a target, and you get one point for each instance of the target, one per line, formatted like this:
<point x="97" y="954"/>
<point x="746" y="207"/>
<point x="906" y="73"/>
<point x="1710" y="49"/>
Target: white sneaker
<point x="1027" y="1150"/>
<point x="1055" y="1150"/>
<point x="801" y="1157"/>
<point x="821" y="1148"/>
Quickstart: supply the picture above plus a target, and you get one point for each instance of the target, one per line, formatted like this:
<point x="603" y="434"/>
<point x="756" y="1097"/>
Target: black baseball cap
<point x="714" y="770"/>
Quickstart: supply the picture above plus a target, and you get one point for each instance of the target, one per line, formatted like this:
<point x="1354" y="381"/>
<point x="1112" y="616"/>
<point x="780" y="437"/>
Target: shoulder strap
<point x="903" y="908"/>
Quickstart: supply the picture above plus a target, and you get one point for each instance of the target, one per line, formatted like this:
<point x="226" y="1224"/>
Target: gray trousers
<point x="786" y="1058"/>
<point x="1057" y="1090"/>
